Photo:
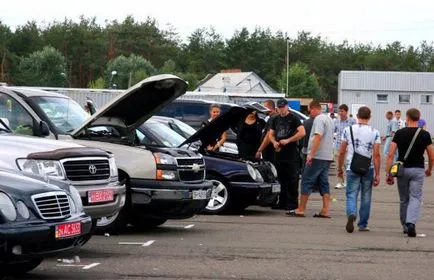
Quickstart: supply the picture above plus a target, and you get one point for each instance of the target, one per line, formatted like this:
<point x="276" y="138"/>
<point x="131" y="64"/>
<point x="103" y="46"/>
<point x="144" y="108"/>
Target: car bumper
<point x="37" y="238"/>
<point x="102" y="209"/>
<point x="169" y="200"/>
<point x="263" y="194"/>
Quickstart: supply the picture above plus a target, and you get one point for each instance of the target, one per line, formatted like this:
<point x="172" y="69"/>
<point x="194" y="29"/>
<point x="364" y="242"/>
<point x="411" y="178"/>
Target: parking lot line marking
<point x="149" y="243"/>
<point x="130" y="243"/>
<point x="70" y="265"/>
<point x="189" y="226"/>
<point x="91" y="265"/>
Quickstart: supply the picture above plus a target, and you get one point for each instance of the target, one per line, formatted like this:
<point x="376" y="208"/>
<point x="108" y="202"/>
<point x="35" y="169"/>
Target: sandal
<point x="320" y="215"/>
<point x="293" y="213"/>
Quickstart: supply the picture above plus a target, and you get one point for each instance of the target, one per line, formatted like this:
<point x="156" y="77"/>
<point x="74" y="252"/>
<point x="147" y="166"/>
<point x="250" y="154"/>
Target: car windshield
<point x="64" y="113"/>
<point x="166" y="136"/>
<point x="188" y="130"/>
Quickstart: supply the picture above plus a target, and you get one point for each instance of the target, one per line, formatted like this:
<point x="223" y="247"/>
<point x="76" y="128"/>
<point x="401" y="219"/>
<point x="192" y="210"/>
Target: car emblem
<point x="92" y="169"/>
<point x="195" y="167"/>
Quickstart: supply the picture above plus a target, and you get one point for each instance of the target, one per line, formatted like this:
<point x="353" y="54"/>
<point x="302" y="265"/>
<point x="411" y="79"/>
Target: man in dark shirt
<point x="410" y="184"/>
<point x="285" y="131"/>
<point x="266" y="149"/>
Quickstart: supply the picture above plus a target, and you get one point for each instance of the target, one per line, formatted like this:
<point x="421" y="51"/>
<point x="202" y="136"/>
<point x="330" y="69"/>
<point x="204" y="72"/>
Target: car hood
<point x="21" y="146"/>
<point x="214" y="130"/>
<point x="18" y="185"/>
<point x="139" y="102"/>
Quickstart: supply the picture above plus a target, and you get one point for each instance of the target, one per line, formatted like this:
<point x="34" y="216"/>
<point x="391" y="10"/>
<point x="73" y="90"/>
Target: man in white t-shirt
<point x="365" y="141"/>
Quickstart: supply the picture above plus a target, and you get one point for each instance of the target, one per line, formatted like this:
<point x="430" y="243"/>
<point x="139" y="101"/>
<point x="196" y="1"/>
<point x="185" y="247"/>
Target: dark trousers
<point x="288" y="174"/>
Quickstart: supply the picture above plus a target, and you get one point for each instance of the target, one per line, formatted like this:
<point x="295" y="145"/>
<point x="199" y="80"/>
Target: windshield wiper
<point x="5" y="127"/>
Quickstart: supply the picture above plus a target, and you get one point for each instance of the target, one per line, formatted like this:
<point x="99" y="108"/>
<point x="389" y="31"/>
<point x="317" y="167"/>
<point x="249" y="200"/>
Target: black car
<point x="37" y="219"/>
<point x="237" y="183"/>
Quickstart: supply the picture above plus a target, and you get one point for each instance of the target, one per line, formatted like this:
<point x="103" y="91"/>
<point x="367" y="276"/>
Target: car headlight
<point x="113" y="167"/>
<point x="164" y="162"/>
<point x="23" y="210"/>
<point x="254" y="173"/>
<point x="273" y="169"/>
<point x="7" y="207"/>
<point x="161" y="158"/>
<point x="76" y="199"/>
<point x="49" y="168"/>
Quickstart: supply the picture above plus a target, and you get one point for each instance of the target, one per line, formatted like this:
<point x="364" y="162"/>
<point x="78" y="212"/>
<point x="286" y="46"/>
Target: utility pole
<point x="287" y="65"/>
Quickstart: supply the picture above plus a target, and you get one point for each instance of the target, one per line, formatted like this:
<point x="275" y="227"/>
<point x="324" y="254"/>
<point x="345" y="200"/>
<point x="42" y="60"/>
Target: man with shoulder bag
<point x="411" y="142"/>
<point x="361" y="144"/>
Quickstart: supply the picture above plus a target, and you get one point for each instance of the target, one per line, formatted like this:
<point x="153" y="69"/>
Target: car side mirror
<point x="44" y="130"/>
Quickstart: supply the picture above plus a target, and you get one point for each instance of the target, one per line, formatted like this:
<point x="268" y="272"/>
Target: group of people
<point x="355" y="146"/>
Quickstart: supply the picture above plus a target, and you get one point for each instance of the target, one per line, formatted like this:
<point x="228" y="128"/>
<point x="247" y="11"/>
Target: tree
<point x="128" y="70"/>
<point x="301" y="83"/>
<point x="46" y="67"/>
<point x="97" y="84"/>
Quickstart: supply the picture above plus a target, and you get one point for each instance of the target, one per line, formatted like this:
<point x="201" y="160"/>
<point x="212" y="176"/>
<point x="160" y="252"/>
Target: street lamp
<point x="114" y="72"/>
<point x="287" y="64"/>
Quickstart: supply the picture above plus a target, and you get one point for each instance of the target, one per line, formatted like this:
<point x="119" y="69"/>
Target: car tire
<point x="19" y="268"/>
<point x="221" y="198"/>
<point x="147" y="223"/>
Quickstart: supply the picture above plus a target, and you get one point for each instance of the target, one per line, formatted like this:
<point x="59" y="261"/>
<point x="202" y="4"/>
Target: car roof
<point x="31" y="92"/>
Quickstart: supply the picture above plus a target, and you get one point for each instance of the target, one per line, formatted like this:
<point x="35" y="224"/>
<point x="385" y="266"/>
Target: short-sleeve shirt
<point x="365" y="138"/>
<point x="284" y="128"/>
<point x="339" y="126"/>
<point x="322" y="125"/>
<point x="403" y="139"/>
<point x="421" y="123"/>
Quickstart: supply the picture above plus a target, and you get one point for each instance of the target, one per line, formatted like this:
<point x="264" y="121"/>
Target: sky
<point x="362" y="21"/>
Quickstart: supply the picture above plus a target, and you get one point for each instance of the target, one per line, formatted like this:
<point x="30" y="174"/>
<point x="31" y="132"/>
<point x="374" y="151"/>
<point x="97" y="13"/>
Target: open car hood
<point x="215" y="129"/>
<point x="140" y="102"/>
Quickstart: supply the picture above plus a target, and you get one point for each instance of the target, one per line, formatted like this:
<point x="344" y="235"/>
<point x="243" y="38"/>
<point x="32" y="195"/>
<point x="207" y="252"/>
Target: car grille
<point x="87" y="170"/>
<point x="266" y="172"/>
<point x="191" y="169"/>
<point x="52" y="205"/>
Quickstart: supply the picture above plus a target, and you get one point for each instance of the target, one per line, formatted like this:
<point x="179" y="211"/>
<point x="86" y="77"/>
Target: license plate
<point x="100" y="196"/>
<point x="275" y="189"/>
<point x="68" y="230"/>
<point x="199" y="195"/>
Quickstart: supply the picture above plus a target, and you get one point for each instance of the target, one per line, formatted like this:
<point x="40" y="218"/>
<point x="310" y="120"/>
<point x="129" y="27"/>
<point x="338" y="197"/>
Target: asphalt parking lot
<point x="263" y="244"/>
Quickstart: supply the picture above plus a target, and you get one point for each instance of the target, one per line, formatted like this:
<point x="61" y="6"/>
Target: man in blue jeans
<point x="366" y="143"/>
<point x="319" y="157"/>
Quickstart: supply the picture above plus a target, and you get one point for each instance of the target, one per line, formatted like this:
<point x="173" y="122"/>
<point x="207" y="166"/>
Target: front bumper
<point x="263" y="194"/>
<point x="102" y="209"/>
<point x="168" y="199"/>
<point x="37" y="238"/>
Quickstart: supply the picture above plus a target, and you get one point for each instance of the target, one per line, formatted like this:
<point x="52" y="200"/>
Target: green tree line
<point x="86" y="54"/>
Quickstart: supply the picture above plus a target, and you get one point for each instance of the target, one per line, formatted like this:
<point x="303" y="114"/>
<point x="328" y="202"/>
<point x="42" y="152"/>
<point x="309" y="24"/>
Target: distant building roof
<point x="236" y="82"/>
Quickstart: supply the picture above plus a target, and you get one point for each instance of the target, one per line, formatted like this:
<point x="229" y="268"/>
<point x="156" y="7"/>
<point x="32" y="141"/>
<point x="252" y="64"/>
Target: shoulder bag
<point x="397" y="169"/>
<point x="359" y="164"/>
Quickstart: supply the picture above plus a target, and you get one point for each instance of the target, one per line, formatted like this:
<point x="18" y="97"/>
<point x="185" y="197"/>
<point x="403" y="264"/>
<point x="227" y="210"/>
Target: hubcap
<point x="219" y="196"/>
<point x="105" y="221"/>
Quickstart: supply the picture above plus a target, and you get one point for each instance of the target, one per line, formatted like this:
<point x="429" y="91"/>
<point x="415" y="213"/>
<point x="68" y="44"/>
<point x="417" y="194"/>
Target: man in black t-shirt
<point x="285" y="131"/>
<point x="410" y="184"/>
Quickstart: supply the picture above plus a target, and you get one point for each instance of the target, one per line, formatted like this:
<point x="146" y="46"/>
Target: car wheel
<point x="113" y="224"/>
<point x="146" y="223"/>
<point x="220" y="197"/>
<point x="19" y="268"/>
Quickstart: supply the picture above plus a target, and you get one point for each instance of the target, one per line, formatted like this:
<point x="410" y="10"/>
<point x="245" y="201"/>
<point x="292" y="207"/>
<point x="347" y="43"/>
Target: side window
<point x="195" y="110"/>
<point x="20" y="121"/>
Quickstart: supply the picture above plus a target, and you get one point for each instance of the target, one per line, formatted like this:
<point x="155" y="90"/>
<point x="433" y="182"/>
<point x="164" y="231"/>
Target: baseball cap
<point x="281" y="102"/>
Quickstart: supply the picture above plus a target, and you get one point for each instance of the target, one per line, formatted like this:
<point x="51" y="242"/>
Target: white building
<point x="387" y="91"/>
<point x="236" y="82"/>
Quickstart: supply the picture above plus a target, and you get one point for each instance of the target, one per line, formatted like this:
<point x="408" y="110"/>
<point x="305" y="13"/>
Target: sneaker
<point x="339" y="186"/>
<point x="364" y="229"/>
<point x="350" y="223"/>
<point x="411" y="228"/>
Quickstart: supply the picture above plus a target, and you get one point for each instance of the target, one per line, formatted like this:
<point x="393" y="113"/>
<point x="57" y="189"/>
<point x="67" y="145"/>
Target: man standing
<point x="410" y="184"/>
<point x="266" y="149"/>
<point x="320" y="155"/>
<point x="387" y="139"/>
<point x="365" y="141"/>
<point x="285" y="131"/>
<point x="339" y="126"/>
<point x="397" y="124"/>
